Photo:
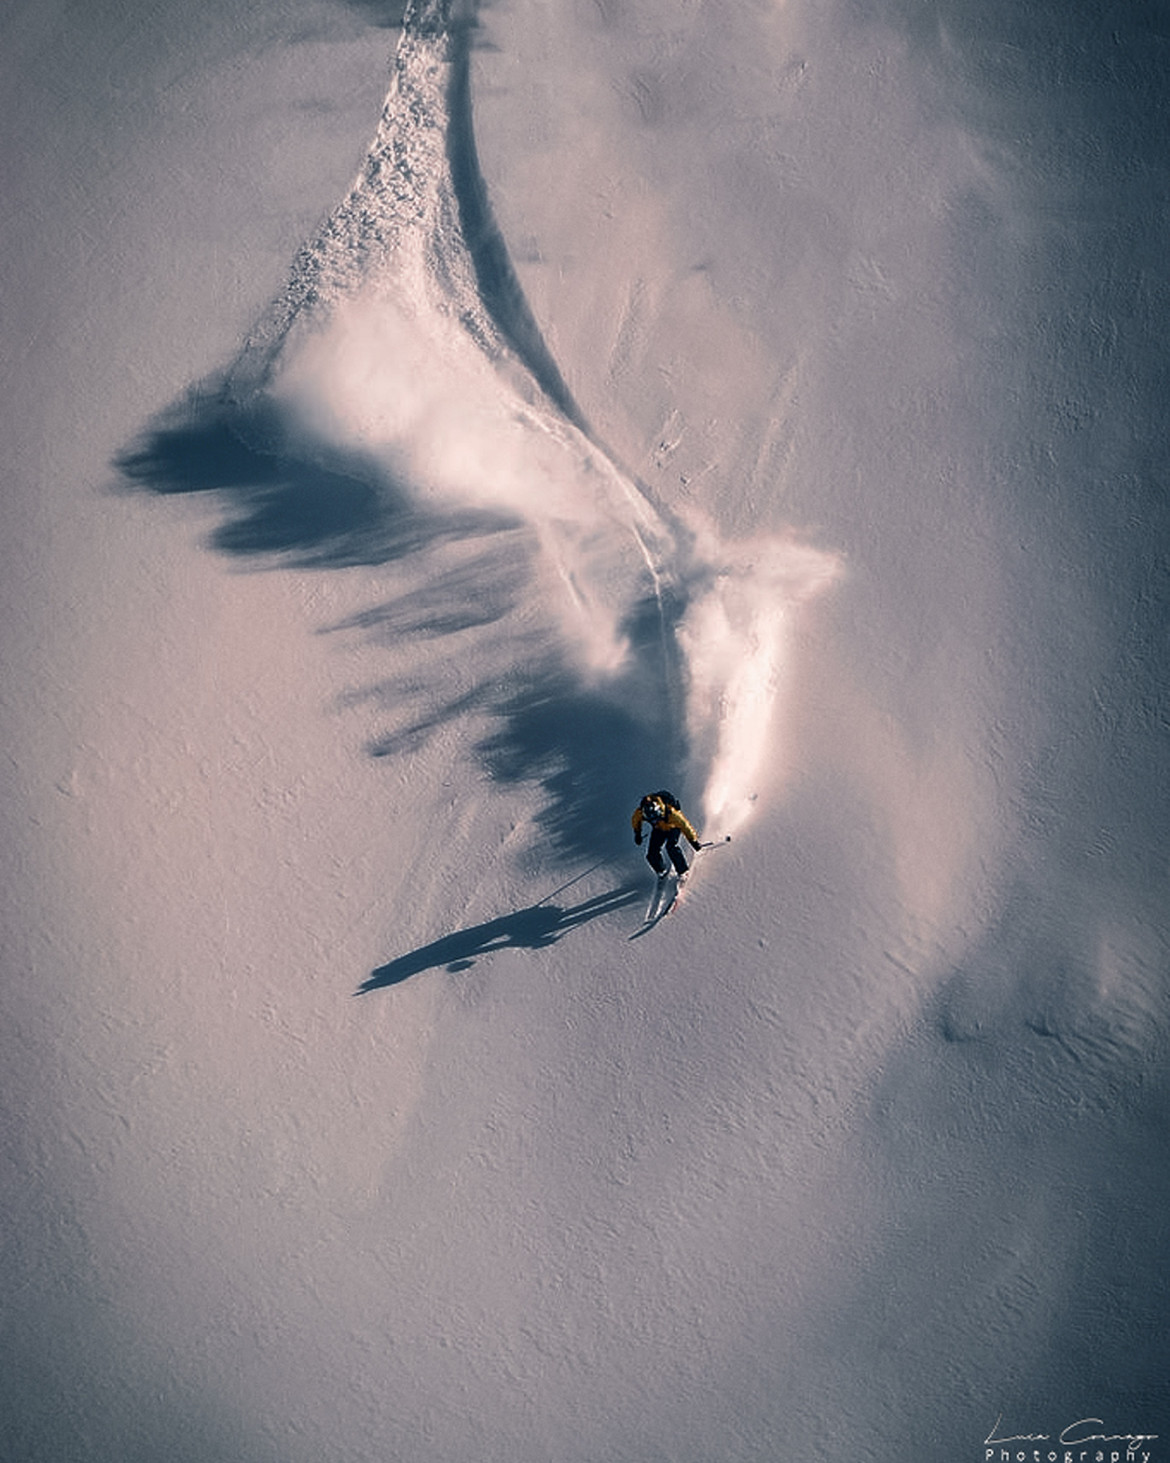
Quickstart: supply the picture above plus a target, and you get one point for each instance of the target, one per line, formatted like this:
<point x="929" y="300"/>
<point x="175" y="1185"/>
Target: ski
<point x="680" y="885"/>
<point x="662" y="900"/>
<point x="663" y="897"/>
<point x="668" y="893"/>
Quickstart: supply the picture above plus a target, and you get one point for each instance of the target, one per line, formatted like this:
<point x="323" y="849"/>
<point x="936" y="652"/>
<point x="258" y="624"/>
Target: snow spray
<point x="386" y="347"/>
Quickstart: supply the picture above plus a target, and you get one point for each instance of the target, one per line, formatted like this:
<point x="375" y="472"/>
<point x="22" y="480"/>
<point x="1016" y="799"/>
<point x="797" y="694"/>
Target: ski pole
<point x="570" y="883"/>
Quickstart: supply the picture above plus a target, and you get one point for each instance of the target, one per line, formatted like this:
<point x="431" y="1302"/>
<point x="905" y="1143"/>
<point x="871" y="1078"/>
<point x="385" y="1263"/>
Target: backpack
<point x="669" y="799"/>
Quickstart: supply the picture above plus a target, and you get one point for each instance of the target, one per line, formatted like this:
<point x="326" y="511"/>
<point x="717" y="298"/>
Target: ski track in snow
<point x="397" y="402"/>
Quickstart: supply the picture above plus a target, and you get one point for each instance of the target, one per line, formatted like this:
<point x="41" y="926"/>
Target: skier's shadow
<point x="526" y="929"/>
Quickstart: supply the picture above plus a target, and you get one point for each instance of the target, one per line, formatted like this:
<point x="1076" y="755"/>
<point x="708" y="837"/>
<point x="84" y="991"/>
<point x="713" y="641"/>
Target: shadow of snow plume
<point x="398" y="404"/>
<point x="594" y="746"/>
<point x="279" y="501"/>
<point x="591" y="745"/>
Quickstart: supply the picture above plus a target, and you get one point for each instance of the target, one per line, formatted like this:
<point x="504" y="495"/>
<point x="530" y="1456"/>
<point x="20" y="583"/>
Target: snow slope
<point x="763" y="400"/>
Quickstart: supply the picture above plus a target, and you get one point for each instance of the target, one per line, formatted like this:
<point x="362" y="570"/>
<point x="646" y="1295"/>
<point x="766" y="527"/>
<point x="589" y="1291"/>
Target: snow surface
<point x="764" y="400"/>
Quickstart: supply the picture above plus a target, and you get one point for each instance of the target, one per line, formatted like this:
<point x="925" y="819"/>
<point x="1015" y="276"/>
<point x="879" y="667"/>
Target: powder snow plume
<point x="734" y="637"/>
<point x="404" y="340"/>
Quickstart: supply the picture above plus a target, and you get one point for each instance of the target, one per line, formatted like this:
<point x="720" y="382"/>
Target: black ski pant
<point x="669" y="837"/>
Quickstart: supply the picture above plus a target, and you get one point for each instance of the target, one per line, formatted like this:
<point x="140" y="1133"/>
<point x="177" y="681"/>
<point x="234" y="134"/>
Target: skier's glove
<point x="638" y="839"/>
<point x="695" y="844"/>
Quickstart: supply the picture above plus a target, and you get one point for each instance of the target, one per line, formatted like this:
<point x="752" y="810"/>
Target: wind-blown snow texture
<point x="763" y="400"/>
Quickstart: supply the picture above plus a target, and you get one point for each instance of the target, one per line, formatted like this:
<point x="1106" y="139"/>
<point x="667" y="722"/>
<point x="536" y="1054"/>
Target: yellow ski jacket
<point x="673" y="819"/>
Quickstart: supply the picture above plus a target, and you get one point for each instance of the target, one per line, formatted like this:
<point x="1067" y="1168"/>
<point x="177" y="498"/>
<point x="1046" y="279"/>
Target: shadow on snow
<point x="592" y="749"/>
<point x="533" y="928"/>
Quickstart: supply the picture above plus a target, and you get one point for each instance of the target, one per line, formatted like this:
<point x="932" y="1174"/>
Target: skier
<point x="661" y="810"/>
